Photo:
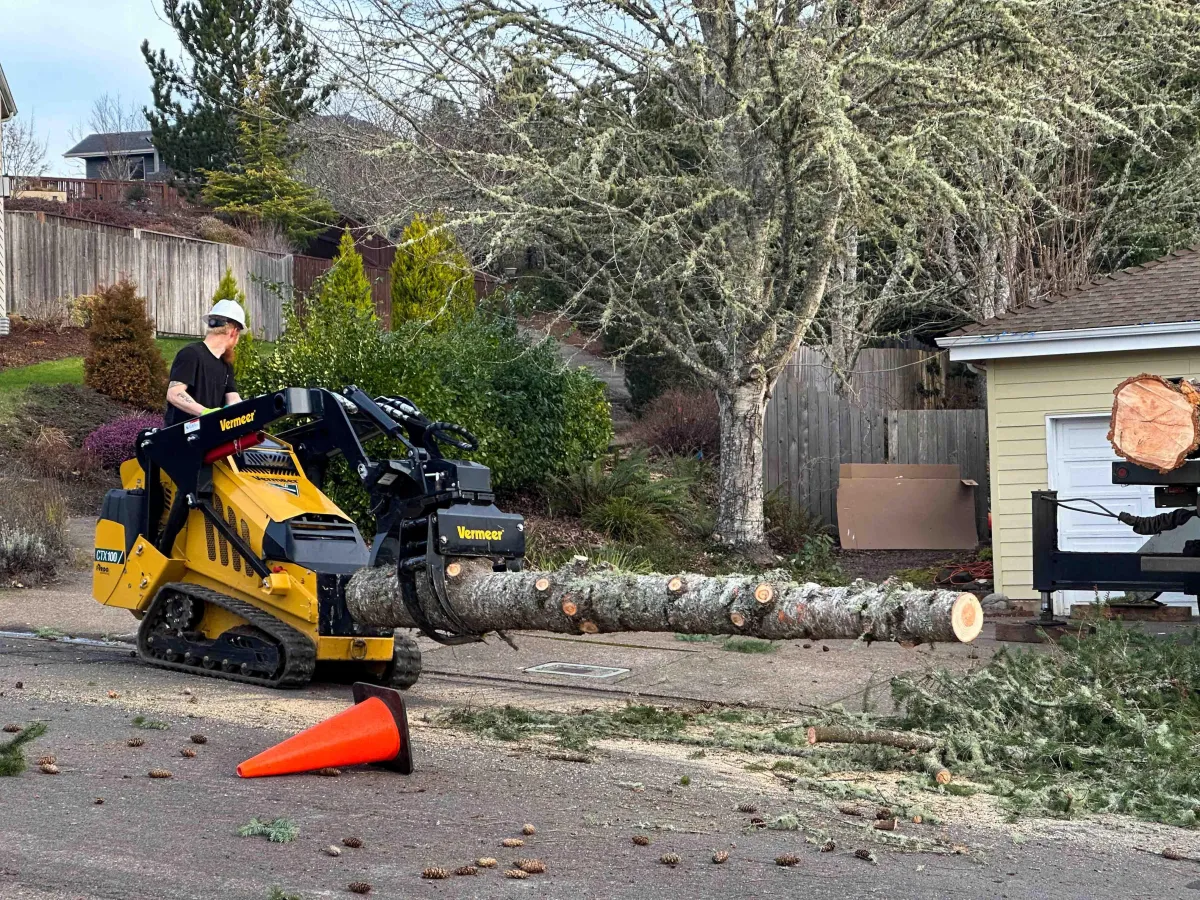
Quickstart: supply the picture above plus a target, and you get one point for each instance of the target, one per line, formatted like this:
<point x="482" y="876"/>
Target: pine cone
<point x="641" y="840"/>
<point x="47" y="760"/>
<point x="359" y="887"/>
<point x="352" y="842"/>
<point x="747" y="808"/>
<point x="135" y="742"/>
<point x="670" y="859"/>
<point x="720" y="856"/>
<point x="532" y="866"/>
<point x="329" y="772"/>
<point x="865" y="854"/>
<point x="435" y="872"/>
<point x="849" y="809"/>
<point x="187" y="753"/>
<point x="787" y="859"/>
<point x="199" y="739"/>
<point x="113" y="695"/>
<point x="12" y="728"/>
<point x="49" y="768"/>
<point x="528" y="830"/>
<point x="883" y="812"/>
<point x="486" y="862"/>
<point x="829" y="846"/>
<point x="758" y="822"/>
<point x="917" y="820"/>
<point x="99" y="801"/>
<point x="515" y="873"/>
<point x="512" y="842"/>
<point x="1171" y="853"/>
<point x="159" y="773"/>
<point x="466" y="870"/>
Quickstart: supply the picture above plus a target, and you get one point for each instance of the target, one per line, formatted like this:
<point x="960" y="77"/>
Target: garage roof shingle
<point x="1165" y="290"/>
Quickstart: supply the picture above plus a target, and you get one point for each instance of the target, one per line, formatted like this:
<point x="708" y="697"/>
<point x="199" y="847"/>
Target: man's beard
<point x="229" y="355"/>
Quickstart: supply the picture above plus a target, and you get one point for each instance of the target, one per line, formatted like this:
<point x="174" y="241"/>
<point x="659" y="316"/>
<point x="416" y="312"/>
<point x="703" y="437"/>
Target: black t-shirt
<point x="208" y="378"/>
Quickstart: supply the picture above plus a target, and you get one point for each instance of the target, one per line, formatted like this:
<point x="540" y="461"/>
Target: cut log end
<point x="542" y="585"/>
<point x="943" y="777"/>
<point x="764" y="593"/>
<point x="1154" y="422"/>
<point x="675" y="585"/>
<point x="966" y="618"/>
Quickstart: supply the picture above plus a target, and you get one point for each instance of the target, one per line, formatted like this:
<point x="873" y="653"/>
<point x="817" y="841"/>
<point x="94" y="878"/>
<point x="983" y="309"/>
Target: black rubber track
<point x="299" y="653"/>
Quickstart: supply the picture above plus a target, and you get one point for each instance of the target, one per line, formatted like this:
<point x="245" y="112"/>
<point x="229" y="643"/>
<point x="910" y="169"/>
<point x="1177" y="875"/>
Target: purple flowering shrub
<point x="112" y="444"/>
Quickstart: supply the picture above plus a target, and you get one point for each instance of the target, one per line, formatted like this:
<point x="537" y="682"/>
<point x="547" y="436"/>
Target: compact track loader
<point x="222" y="542"/>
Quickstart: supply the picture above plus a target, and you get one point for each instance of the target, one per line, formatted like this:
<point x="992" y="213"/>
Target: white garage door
<point x="1080" y="465"/>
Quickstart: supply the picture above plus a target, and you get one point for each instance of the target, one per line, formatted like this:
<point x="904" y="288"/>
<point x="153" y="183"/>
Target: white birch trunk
<point x="579" y="599"/>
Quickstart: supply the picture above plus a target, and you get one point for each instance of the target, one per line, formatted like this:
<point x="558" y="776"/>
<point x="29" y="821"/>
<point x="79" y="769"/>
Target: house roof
<point x="117" y="143"/>
<point x="1149" y="307"/>
<point x="8" y="106"/>
<point x="1166" y="290"/>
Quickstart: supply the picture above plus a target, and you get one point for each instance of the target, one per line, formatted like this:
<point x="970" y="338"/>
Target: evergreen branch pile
<point x="12" y="752"/>
<point x="1105" y="722"/>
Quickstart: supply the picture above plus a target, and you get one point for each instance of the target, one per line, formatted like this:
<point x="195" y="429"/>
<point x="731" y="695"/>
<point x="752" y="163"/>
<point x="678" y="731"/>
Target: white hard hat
<point x="228" y="309"/>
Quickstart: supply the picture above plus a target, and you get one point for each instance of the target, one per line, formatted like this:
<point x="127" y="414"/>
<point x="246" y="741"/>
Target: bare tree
<point x="111" y="118"/>
<point x="699" y="167"/>
<point x="23" y="153"/>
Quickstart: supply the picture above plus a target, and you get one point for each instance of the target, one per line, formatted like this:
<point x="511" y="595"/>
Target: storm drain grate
<point x="577" y="670"/>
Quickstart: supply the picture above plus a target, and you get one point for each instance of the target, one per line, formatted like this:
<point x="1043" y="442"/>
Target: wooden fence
<point x="158" y="193"/>
<point x="810" y="432"/>
<point x="307" y="269"/>
<point x="51" y="259"/>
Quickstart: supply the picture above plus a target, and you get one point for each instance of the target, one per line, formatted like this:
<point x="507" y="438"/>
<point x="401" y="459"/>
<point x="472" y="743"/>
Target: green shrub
<point x="123" y="361"/>
<point x="33" y="529"/>
<point x="533" y="418"/>
<point x="626" y="519"/>
<point x="245" y="360"/>
<point x="650" y="373"/>
<point x="432" y="279"/>
<point x="624" y="498"/>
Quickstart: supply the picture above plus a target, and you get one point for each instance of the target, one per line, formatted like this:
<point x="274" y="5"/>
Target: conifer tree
<point x="432" y="279"/>
<point x="245" y="362"/>
<point x="224" y="41"/>
<point x="259" y="183"/>
<point x="123" y="361"/>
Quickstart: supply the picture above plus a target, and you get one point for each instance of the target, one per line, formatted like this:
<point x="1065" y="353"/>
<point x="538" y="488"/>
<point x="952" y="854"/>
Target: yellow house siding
<point x="1021" y="393"/>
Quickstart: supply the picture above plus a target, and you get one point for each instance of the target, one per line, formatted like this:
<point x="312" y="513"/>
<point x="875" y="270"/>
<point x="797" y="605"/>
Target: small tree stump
<point x="1154" y="422"/>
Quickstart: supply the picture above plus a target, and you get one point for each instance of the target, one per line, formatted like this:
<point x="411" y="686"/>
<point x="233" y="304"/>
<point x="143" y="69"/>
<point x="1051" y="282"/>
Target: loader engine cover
<point x="466" y="529"/>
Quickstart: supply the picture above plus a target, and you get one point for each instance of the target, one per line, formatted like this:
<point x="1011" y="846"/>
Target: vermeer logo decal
<point x="110" y="556"/>
<point x="479" y="534"/>
<point x="226" y="424"/>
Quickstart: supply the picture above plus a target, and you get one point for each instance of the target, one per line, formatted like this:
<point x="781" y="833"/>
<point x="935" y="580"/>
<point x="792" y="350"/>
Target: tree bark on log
<point x="580" y="599"/>
<point x="842" y="734"/>
<point x="1155" y="423"/>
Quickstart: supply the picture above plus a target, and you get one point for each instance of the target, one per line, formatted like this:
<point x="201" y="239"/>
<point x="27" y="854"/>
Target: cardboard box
<point x="895" y="507"/>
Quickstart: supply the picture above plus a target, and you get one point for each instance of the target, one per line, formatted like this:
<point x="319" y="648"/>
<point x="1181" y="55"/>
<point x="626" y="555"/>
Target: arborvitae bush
<point x="432" y="280"/>
<point x="245" y="361"/>
<point x="123" y="361"/>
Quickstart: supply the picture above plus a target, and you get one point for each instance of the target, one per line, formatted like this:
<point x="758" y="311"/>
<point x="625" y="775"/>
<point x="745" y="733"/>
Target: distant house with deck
<point x="121" y="156"/>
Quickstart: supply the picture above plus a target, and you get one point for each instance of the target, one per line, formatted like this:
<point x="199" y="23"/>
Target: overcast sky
<point x="60" y="55"/>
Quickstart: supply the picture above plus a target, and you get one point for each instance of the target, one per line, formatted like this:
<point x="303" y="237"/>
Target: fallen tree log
<point x="581" y="599"/>
<point x="1155" y="422"/>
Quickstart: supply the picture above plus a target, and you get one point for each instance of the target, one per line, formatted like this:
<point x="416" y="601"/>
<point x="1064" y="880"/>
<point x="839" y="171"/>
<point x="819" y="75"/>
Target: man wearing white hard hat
<point x="202" y="374"/>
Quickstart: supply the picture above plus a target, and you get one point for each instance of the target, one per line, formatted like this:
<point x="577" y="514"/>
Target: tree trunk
<point x="1154" y="422"/>
<point x="581" y="600"/>
<point x="740" y="494"/>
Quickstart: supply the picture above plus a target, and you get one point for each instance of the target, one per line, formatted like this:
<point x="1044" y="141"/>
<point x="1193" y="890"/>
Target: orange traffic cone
<point x="374" y="730"/>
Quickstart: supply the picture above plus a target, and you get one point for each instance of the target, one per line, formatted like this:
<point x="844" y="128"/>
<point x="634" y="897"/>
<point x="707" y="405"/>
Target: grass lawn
<point x="67" y="371"/>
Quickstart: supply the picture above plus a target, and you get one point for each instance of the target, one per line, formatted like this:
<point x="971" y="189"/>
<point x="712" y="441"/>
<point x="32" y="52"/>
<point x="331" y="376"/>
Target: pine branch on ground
<point x="12" y="752"/>
<point x="278" y="831"/>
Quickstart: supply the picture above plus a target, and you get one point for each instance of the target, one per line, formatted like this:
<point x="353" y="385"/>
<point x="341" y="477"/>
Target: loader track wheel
<point x="261" y="651"/>
<point x="405" y="668"/>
